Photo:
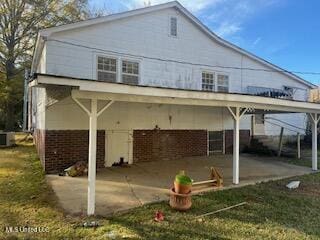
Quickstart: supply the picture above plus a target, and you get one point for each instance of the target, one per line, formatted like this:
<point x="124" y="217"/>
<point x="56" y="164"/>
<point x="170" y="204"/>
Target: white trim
<point x="169" y="25"/>
<point x="178" y="6"/>
<point x="215" y="78"/>
<point x="97" y="55"/>
<point x="81" y="105"/>
<point x="124" y="92"/>
<point x="135" y="60"/>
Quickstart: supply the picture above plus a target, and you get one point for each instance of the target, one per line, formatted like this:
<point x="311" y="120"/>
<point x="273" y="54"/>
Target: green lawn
<point x="273" y="212"/>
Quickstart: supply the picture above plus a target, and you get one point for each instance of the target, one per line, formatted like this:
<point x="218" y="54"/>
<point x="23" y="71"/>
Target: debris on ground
<point x="159" y="216"/>
<point x="92" y="224"/>
<point x="221" y="210"/>
<point x="111" y="235"/>
<point x="78" y="169"/>
<point x="293" y="184"/>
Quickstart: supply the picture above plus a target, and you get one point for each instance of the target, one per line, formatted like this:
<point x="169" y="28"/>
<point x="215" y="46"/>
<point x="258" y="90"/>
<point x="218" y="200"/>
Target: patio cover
<point x="237" y="104"/>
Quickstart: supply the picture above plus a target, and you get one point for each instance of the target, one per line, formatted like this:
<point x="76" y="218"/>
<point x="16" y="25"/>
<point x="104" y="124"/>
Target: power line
<point x="184" y="62"/>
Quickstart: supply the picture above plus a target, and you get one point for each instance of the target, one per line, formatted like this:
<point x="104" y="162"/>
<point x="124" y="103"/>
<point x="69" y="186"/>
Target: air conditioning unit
<point x="6" y="139"/>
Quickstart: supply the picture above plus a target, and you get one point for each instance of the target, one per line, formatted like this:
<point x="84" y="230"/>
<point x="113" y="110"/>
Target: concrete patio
<point x="122" y="188"/>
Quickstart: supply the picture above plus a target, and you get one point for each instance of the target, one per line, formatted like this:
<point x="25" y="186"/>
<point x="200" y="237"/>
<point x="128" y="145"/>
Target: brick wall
<point x="58" y="149"/>
<point x="244" y="140"/>
<point x="65" y="147"/>
<point x="155" y="145"/>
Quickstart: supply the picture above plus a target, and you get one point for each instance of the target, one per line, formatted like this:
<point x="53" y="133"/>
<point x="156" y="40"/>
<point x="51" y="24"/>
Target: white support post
<point x="237" y="114"/>
<point x="92" y="157"/>
<point x="236" y="129"/>
<point x="315" y="119"/>
<point x="93" y="116"/>
<point x="298" y="145"/>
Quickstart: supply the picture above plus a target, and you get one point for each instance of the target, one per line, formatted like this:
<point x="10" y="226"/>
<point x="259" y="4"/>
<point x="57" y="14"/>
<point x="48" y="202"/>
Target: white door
<point x="118" y="146"/>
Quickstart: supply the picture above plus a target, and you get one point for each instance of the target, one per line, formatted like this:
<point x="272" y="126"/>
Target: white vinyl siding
<point x="130" y="72"/>
<point x="107" y="69"/>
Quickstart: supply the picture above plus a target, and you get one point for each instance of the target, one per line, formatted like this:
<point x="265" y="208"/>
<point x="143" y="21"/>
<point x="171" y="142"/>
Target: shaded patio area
<point x="122" y="188"/>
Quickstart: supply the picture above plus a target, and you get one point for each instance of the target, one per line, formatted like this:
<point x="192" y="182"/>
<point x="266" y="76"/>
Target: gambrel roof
<point x="43" y="34"/>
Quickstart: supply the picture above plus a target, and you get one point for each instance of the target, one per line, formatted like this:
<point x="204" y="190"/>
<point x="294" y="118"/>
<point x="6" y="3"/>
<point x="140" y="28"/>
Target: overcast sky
<point x="284" y="32"/>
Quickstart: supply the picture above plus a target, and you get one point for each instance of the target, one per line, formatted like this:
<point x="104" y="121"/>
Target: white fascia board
<point x="37" y="53"/>
<point x="122" y="92"/>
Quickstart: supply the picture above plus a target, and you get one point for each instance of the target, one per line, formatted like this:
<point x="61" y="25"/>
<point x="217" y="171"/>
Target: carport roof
<point x="93" y="89"/>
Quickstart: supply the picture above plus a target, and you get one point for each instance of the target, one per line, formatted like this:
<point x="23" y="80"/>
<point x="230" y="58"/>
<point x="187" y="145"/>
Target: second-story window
<point x="173" y="26"/>
<point x="107" y="69"/>
<point x="208" y="81"/>
<point x="130" y="72"/>
<point x="222" y="83"/>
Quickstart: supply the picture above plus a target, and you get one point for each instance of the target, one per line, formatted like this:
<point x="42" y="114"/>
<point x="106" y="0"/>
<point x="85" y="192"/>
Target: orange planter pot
<point x="181" y="202"/>
<point x="182" y="189"/>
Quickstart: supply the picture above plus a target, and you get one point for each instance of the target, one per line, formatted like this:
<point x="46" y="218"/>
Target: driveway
<point x="122" y="188"/>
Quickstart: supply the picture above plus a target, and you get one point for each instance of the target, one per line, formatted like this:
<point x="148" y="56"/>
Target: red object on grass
<point x="159" y="216"/>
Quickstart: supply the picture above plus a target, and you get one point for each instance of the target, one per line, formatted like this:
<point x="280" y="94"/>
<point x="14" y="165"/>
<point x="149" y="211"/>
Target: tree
<point x="20" y="21"/>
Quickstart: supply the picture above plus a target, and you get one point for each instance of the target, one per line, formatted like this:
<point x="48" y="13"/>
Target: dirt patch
<point x="308" y="189"/>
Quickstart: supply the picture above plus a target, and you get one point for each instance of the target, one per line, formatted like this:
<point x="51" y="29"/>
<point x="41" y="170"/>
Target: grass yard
<point x="306" y="158"/>
<point x="273" y="211"/>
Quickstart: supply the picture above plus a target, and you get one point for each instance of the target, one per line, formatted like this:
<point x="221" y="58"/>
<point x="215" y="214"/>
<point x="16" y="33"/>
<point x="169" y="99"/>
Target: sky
<point x="284" y="32"/>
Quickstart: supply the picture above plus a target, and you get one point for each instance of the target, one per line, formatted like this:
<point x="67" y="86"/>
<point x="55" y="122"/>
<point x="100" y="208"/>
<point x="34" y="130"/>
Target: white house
<point x="153" y="84"/>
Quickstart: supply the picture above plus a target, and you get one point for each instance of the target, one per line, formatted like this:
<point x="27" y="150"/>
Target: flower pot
<point x="181" y="202"/>
<point x="181" y="188"/>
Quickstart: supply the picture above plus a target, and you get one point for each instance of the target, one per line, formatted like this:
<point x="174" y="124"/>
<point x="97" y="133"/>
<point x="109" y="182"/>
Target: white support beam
<point x="92" y="159"/>
<point x="81" y="105"/>
<point x="237" y="114"/>
<point x="105" y="107"/>
<point x="231" y="112"/>
<point x="236" y="144"/>
<point x="315" y="119"/>
<point x="298" y="146"/>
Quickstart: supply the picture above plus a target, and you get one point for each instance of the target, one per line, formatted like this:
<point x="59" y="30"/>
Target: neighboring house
<point x="173" y="89"/>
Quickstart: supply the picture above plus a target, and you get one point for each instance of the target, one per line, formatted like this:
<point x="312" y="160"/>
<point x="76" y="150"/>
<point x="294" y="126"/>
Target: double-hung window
<point x="208" y="81"/>
<point x="107" y="69"/>
<point x="215" y="82"/>
<point x="130" y="72"/>
<point x="222" y="83"/>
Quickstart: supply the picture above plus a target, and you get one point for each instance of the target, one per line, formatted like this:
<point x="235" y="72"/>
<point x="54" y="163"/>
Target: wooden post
<point x="298" y="146"/>
<point x="280" y="142"/>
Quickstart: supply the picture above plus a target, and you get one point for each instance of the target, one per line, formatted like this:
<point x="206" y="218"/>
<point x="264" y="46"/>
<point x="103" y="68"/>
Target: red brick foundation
<point x="59" y="149"/>
<point x="155" y="145"/>
<point x="62" y="148"/>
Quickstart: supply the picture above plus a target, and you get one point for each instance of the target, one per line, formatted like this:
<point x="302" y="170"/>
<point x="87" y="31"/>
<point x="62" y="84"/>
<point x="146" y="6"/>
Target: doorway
<point x="118" y="147"/>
